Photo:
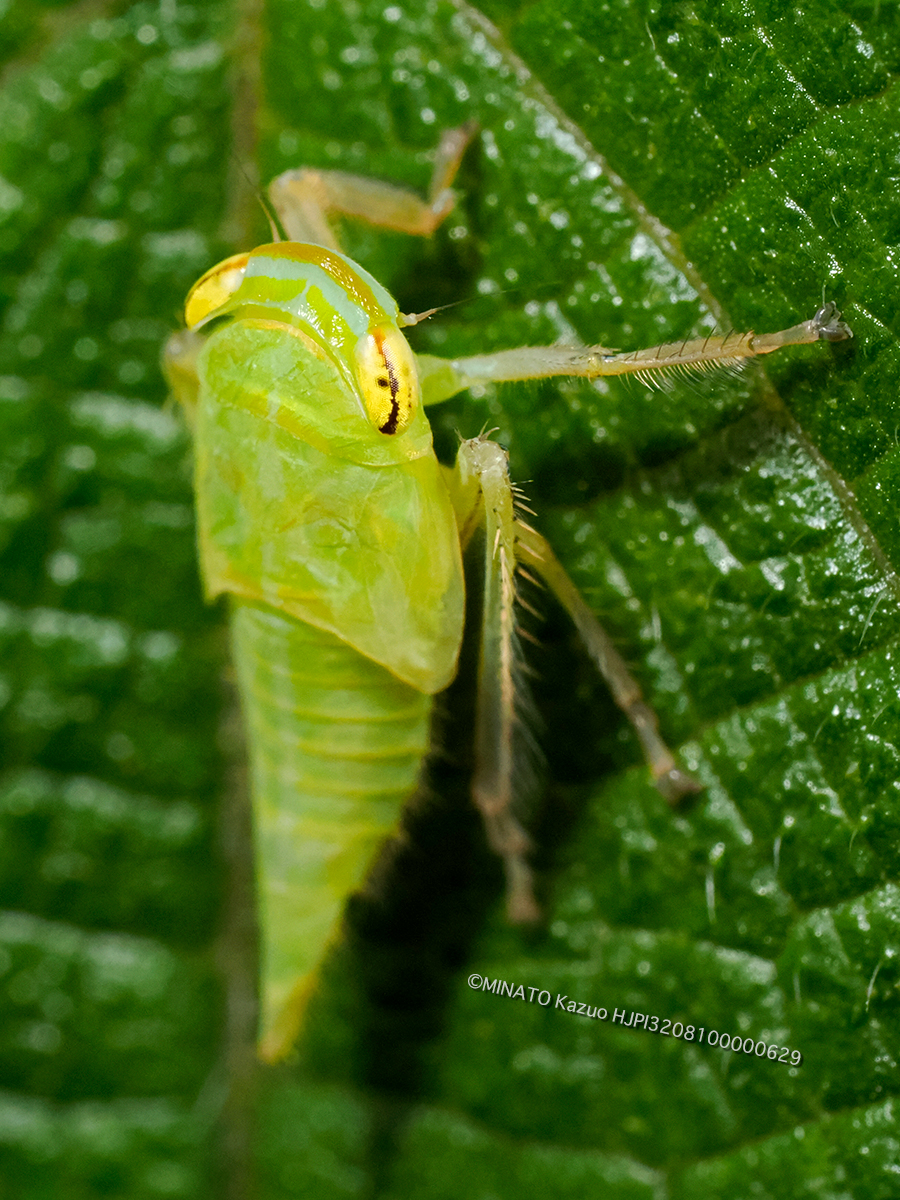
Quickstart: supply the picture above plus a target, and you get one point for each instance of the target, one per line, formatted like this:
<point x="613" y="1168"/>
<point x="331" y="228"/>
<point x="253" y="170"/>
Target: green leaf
<point x="644" y="172"/>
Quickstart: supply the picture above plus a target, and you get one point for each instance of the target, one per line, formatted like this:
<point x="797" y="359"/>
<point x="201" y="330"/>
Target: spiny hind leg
<point x="483" y="498"/>
<point x="442" y="378"/>
<point x="305" y="197"/>
<point x="534" y="552"/>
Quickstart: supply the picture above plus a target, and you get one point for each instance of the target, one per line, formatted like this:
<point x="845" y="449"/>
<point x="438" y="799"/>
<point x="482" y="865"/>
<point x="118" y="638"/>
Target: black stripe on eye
<point x="390" y="425"/>
<point x="392" y="374"/>
<point x="393" y="381"/>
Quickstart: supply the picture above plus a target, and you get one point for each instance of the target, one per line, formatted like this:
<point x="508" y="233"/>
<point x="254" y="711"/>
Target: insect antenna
<point x="407" y="319"/>
<point x="272" y="220"/>
<point x="279" y="234"/>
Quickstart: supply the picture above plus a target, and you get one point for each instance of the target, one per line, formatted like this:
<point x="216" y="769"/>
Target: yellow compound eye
<point x="214" y="288"/>
<point x="388" y="379"/>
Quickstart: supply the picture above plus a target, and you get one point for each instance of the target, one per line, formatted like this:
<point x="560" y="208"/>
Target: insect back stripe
<point x="335" y="298"/>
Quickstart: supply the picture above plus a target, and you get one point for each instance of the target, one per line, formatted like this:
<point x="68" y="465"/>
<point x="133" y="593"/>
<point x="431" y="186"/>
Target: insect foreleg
<point x="304" y="198"/>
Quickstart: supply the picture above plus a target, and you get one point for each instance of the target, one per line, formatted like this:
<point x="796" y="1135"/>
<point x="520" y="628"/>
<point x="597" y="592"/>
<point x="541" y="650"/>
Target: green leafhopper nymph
<point x="325" y="516"/>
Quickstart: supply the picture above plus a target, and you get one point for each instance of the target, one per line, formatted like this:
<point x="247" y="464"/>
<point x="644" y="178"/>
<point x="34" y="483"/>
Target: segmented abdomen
<point x="335" y="744"/>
